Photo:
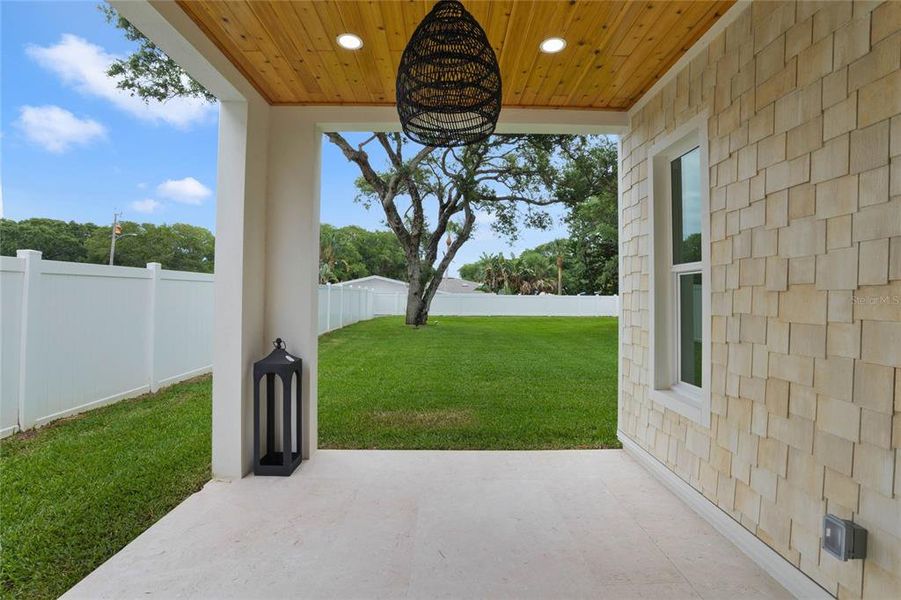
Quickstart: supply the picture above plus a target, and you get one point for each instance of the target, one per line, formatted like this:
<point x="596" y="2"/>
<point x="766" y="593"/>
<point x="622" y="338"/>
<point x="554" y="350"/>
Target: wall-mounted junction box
<point x="843" y="539"/>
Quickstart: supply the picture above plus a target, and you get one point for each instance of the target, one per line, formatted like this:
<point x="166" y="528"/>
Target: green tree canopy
<point x="587" y="186"/>
<point x="345" y="252"/>
<point x="148" y="72"/>
<point x="58" y="240"/>
<point x="351" y="252"/>
<point x="179" y="247"/>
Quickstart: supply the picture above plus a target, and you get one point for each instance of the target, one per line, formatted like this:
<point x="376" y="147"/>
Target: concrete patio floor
<point x="421" y="524"/>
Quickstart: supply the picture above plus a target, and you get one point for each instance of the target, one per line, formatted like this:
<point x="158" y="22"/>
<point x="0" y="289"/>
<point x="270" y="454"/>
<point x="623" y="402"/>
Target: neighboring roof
<point x="449" y="285"/>
<point x="455" y="285"/>
<point x="371" y="278"/>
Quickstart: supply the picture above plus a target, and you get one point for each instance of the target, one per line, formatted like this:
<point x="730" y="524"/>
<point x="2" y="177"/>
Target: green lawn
<point x="470" y="383"/>
<point x="74" y="493"/>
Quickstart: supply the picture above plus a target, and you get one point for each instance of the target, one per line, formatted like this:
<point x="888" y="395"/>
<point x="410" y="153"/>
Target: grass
<point x="470" y="383"/>
<point x="74" y="493"/>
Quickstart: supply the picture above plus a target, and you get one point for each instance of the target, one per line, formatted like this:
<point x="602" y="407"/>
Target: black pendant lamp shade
<point x="449" y="82"/>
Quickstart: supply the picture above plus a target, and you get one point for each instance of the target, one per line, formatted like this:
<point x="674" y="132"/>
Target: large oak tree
<point x="432" y="194"/>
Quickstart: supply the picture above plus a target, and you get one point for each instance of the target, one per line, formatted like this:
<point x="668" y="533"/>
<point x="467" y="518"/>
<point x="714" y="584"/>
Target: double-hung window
<point x="680" y="280"/>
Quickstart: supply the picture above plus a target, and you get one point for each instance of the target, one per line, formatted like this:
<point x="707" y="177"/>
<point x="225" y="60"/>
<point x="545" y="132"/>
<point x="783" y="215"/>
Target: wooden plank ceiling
<point x="615" y="50"/>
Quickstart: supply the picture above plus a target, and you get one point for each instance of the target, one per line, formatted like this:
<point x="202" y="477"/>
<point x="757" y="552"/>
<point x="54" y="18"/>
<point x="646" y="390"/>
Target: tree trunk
<point x="417" y="310"/>
<point x="418" y="300"/>
<point x="559" y="275"/>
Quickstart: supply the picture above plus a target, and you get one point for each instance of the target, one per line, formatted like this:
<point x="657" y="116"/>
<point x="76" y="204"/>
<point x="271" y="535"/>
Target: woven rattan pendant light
<point x="448" y="83"/>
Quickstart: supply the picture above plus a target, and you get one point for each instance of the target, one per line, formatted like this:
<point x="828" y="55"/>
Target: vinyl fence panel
<point x="183" y="335"/>
<point x="84" y="337"/>
<point x="76" y="336"/>
<point x="343" y="305"/>
<point x="12" y="279"/>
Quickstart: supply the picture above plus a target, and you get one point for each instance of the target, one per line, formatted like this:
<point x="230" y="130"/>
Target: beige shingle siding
<point x="804" y="101"/>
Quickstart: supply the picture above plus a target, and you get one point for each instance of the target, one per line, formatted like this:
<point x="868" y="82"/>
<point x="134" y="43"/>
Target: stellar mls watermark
<point x="891" y="300"/>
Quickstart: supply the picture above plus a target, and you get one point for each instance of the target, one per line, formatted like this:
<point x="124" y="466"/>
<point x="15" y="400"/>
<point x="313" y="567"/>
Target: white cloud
<point x="56" y="129"/>
<point x="83" y="66"/>
<point x="186" y="191"/>
<point x="146" y="206"/>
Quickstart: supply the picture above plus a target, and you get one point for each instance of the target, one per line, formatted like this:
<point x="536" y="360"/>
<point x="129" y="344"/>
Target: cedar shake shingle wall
<point x="804" y="102"/>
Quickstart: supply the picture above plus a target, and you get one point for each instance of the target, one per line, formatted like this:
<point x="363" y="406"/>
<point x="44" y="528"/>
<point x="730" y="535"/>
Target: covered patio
<point x="770" y="401"/>
<point x="419" y="524"/>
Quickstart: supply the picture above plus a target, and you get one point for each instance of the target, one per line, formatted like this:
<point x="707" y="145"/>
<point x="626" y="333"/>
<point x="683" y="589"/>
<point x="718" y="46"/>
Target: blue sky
<point x="76" y="148"/>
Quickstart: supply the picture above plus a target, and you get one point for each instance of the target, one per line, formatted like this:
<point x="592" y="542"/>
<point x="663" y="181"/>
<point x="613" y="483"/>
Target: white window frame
<point x="664" y="384"/>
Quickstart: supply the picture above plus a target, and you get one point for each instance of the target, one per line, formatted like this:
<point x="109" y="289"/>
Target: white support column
<point x="292" y="250"/>
<point x="28" y="356"/>
<point x="152" y="320"/>
<point x="238" y="338"/>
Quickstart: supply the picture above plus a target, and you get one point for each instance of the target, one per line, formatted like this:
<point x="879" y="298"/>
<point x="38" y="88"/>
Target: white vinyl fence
<point x="76" y="336"/>
<point x="343" y="305"/>
<point x="393" y="303"/>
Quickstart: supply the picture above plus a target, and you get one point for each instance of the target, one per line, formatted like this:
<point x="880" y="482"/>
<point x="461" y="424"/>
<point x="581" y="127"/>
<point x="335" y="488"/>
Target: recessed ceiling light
<point x="350" y="41"/>
<point x="552" y="45"/>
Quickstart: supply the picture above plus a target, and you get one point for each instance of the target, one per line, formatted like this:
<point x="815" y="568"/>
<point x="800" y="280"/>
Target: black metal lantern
<point x="283" y="457"/>
<point x="449" y="82"/>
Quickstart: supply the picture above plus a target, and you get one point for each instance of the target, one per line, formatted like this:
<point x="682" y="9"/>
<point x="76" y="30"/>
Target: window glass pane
<point x="686" y="173"/>
<point x="690" y="328"/>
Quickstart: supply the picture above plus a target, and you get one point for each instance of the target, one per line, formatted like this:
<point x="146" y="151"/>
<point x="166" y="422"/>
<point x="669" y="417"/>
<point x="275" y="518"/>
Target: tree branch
<point x="384" y="191"/>
<point x="468" y="221"/>
<point x="523" y="199"/>
<point x="444" y="217"/>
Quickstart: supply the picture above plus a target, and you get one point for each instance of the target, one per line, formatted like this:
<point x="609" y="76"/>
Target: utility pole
<point x="116" y="231"/>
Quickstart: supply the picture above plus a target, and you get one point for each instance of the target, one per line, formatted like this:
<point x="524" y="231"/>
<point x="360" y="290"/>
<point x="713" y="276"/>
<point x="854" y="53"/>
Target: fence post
<point x="349" y="305"/>
<point x="152" y="310"/>
<point x="340" y="306"/>
<point x="30" y="319"/>
<point x="328" y="306"/>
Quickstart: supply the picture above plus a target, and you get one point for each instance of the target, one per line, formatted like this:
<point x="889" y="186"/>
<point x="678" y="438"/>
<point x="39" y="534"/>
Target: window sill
<point x="687" y="402"/>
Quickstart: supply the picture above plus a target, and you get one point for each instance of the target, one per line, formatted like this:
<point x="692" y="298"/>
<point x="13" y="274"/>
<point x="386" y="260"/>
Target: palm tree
<point x="332" y="245"/>
<point x="326" y="274"/>
<point x="494" y="272"/>
<point x="559" y="249"/>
